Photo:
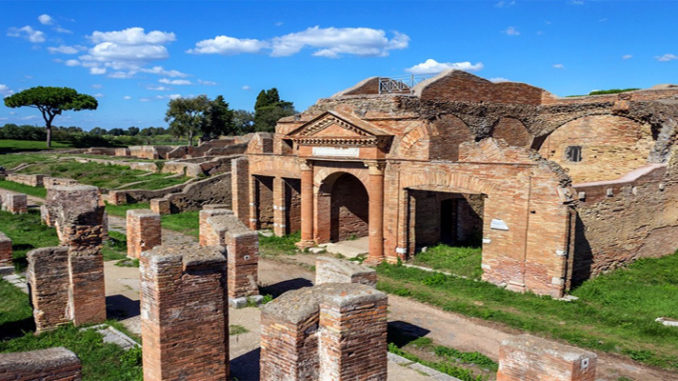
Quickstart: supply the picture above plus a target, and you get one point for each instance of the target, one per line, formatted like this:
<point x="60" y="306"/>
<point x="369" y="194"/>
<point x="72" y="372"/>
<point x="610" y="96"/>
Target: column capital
<point x="375" y="167"/>
<point x="305" y="164"/>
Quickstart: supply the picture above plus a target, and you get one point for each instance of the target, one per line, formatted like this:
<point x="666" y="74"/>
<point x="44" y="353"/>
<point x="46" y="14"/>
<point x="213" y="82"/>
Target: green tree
<point x="132" y="131"/>
<point x="218" y="119"/>
<point x="243" y="121"/>
<point x="269" y="108"/>
<point x="186" y="116"/>
<point x="52" y="101"/>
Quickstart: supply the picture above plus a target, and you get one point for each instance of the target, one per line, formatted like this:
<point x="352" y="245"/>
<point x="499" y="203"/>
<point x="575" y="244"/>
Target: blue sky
<point x="135" y="56"/>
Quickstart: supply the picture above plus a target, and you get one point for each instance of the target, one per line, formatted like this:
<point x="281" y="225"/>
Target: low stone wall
<point x="15" y="203"/>
<point x="213" y="190"/>
<point x="527" y="357"/>
<point x="334" y="270"/>
<point x="144" y="231"/>
<point x="144" y="166"/>
<point x="53" y="364"/>
<point x="184" y="313"/>
<point x="5" y="251"/>
<point x="197" y="167"/>
<point x="334" y="331"/>
<point x="31" y="180"/>
<point x="219" y="227"/>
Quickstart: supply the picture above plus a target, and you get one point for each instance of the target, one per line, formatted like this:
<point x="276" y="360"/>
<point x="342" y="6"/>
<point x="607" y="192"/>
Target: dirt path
<point x="169" y="237"/>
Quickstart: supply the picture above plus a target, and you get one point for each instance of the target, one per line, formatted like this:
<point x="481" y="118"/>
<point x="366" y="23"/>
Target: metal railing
<point x="399" y="85"/>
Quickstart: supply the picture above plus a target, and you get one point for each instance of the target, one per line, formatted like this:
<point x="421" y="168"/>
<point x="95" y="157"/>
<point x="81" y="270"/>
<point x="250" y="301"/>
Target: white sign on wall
<point x="498" y="225"/>
<point x="336" y="152"/>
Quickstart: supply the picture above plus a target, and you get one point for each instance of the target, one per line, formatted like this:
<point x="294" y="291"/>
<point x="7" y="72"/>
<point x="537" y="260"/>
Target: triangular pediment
<point x="334" y="125"/>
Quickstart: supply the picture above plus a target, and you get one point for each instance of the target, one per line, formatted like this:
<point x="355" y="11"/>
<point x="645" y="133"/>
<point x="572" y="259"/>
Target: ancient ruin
<point x="143" y="231"/>
<point x="184" y="313"/>
<point x="334" y="270"/>
<point x="535" y="179"/>
<point x="15" y="203"/>
<point x="53" y="364"/>
<point x="5" y="252"/>
<point x="334" y="331"/>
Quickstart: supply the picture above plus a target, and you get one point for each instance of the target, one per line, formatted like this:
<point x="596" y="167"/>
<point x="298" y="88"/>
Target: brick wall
<point x="47" y="277"/>
<point x="184" y="313"/>
<point x="160" y="206"/>
<point x="292" y="205"/>
<point x="240" y="189"/>
<point x="53" y="364"/>
<point x="220" y="227"/>
<point x="611" y="146"/>
<point x="31" y="180"/>
<point x="5" y="250"/>
<point x="15" y="203"/>
<point x="334" y="270"/>
<point x="331" y="331"/>
<point x="349" y="212"/>
<point x="513" y="132"/>
<point x="264" y="202"/>
<point x="144" y="231"/>
<point x="527" y="357"/>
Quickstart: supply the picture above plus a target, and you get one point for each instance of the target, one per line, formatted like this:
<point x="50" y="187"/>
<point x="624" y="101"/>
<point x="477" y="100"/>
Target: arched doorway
<point x="343" y="208"/>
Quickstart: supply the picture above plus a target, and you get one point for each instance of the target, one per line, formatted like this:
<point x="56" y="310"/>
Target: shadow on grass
<point x="17" y="328"/>
<point x="280" y="288"/>
<point x="402" y="333"/>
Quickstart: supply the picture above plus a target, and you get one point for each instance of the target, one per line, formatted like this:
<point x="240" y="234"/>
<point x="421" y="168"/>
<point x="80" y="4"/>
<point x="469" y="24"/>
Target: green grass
<point x="27" y="189"/>
<point x="106" y="176"/>
<point x="27" y="233"/>
<point x="443" y="365"/>
<point x="186" y="222"/>
<point x="462" y="261"/>
<point x="615" y="312"/>
<point x="235" y="329"/>
<point x="121" y="210"/>
<point x="612" y="91"/>
<point x="115" y="248"/>
<point x="279" y="245"/>
<point x="9" y="145"/>
<point x="99" y="361"/>
<point x="10" y="161"/>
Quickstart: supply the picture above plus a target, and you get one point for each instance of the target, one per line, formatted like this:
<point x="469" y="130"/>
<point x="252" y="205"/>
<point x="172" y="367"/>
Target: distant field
<point x="8" y="145"/>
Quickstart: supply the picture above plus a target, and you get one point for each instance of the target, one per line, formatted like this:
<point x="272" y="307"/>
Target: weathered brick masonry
<point x="15" y="203"/>
<point x="218" y="226"/>
<point x="67" y="282"/>
<point x="333" y="270"/>
<point x="144" y="231"/>
<point x="160" y="206"/>
<point x="53" y="364"/>
<point x="184" y="313"/>
<point x="460" y="159"/>
<point x="527" y="357"/>
<point x="334" y="331"/>
<point x="5" y="250"/>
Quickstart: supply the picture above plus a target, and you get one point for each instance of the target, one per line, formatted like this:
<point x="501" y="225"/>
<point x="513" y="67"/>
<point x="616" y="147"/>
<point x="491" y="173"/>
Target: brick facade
<point x="334" y="270"/>
<point x="332" y="331"/>
<point x="144" y="231"/>
<point x="219" y="227"/>
<point x="5" y="251"/>
<point x="456" y="137"/>
<point x="47" y="277"/>
<point x="15" y="203"/>
<point x="527" y="357"/>
<point x="160" y="206"/>
<point x="53" y="364"/>
<point x="184" y="313"/>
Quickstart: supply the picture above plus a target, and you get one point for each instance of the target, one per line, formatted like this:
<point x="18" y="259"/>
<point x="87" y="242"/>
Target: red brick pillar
<point x="208" y="235"/>
<point x="240" y="189"/>
<point x="376" y="212"/>
<point x="279" y="227"/>
<point x="252" y="186"/>
<point x="47" y="277"/>
<point x="527" y="357"/>
<point x="144" y="231"/>
<point x="5" y="251"/>
<point x="306" y="205"/>
<point x="403" y="225"/>
<point x="161" y="206"/>
<point x="184" y="313"/>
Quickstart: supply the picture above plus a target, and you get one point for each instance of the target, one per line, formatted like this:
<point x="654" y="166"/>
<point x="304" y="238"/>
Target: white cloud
<point x="627" y="57"/>
<point x="62" y="30"/>
<point x="168" y="96"/>
<point x="65" y="49"/>
<point x="45" y="19"/>
<point x="97" y="70"/>
<point x="279" y="23"/>
<point x="72" y="63"/>
<point x="559" y="66"/>
<point x="431" y="66"/>
<point x="206" y="83"/>
<point x="328" y="42"/>
<point x="133" y="36"/>
<point x="332" y="42"/>
<point x="97" y="86"/>
<point x="176" y="82"/>
<point x="126" y="97"/>
<point x="144" y="99"/>
<point x="5" y="90"/>
<point x="499" y="79"/>
<point x="98" y="95"/>
<point x="246" y="87"/>
<point x="28" y="33"/>
<point x="227" y="46"/>
<point x="511" y="31"/>
<point x="667" y="57"/>
<point x="157" y="88"/>
<point x="159" y="70"/>
<point x="122" y="74"/>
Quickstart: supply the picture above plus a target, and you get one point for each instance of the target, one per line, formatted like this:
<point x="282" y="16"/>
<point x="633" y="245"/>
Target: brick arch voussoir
<point x="460" y="183"/>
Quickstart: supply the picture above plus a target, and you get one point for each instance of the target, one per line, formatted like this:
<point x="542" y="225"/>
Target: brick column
<point x="144" y="231"/>
<point x="5" y="251"/>
<point x="376" y="212"/>
<point x="47" y="277"/>
<point x="208" y="235"/>
<point x="252" y="187"/>
<point x="184" y="313"/>
<point x="403" y="225"/>
<point x="279" y="211"/>
<point x="306" y="205"/>
<point x="240" y="189"/>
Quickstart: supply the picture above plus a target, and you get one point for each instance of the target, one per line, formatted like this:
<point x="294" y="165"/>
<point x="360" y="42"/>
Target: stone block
<point x="334" y="270"/>
<point x="15" y="203"/>
<point x="160" y="206"/>
<point x="184" y="313"/>
<point x="144" y="231"/>
<point x="334" y="331"/>
<point x="53" y="364"/>
<point x="527" y="357"/>
<point x="5" y="250"/>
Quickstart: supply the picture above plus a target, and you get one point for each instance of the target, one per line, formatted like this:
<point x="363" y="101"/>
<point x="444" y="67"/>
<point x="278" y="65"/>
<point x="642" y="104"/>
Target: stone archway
<point x="343" y="208"/>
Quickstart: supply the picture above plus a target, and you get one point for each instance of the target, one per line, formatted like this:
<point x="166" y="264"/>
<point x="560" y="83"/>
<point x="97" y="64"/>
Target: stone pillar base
<point x="303" y="245"/>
